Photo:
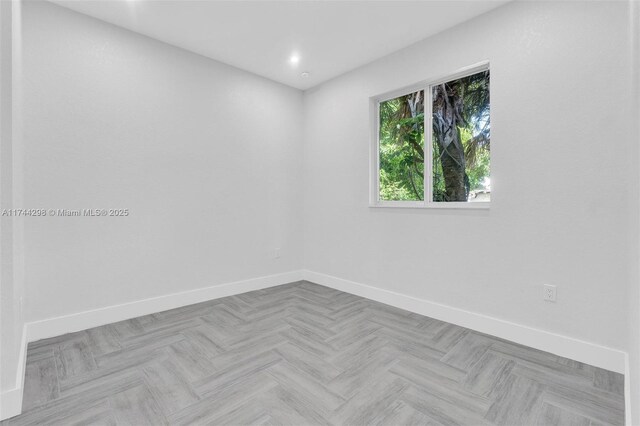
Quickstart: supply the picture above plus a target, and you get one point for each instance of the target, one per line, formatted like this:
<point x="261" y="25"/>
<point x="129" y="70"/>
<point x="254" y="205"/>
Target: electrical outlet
<point x="549" y="293"/>
<point x="276" y="253"/>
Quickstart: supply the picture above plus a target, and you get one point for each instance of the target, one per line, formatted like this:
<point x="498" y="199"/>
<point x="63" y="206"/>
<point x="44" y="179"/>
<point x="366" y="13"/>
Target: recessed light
<point x="294" y="59"/>
<point x="305" y="74"/>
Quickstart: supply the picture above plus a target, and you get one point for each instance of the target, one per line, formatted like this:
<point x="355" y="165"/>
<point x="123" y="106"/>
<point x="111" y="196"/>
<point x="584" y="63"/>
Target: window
<point x="449" y="164"/>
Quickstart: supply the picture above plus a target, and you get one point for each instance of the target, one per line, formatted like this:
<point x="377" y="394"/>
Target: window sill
<point x="437" y="206"/>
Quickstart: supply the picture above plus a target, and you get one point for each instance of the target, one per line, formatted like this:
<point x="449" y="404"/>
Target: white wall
<point x="560" y="169"/>
<point x="205" y="156"/>
<point x="634" y="284"/>
<point x="7" y="306"/>
<point x="11" y="284"/>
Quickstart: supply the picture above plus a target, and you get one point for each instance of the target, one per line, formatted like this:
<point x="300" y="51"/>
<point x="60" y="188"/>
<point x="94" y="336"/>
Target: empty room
<point x="319" y="212"/>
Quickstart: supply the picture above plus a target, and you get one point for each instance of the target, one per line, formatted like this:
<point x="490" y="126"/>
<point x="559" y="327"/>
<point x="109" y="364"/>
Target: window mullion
<point x="428" y="147"/>
<point x="377" y="153"/>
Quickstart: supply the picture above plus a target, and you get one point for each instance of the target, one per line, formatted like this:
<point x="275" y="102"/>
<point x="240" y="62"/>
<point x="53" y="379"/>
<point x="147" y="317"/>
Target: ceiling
<point x="329" y="37"/>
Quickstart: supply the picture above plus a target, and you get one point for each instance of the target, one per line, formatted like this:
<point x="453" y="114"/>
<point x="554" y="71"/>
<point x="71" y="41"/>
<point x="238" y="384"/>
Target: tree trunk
<point x="446" y="119"/>
<point x="453" y="171"/>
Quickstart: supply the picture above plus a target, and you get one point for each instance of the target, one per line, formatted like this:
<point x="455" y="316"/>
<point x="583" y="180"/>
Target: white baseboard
<point x="628" y="421"/>
<point x="10" y="403"/>
<point x="88" y="319"/>
<point x="11" y="400"/>
<point x="568" y="347"/>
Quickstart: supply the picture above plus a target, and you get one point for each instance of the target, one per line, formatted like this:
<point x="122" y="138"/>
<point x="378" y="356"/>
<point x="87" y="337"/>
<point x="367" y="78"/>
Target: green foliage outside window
<point x="402" y="148"/>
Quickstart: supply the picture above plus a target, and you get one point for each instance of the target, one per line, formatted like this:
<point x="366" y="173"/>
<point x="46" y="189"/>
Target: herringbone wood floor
<point x="306" y="354"/>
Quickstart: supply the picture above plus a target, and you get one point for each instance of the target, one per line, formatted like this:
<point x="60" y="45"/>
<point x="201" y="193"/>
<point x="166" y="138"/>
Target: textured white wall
<point x="634" y="284"/>
<point x="560" y="175"/>
<point x="205" y="156"/>
<point x="10" y="292"/>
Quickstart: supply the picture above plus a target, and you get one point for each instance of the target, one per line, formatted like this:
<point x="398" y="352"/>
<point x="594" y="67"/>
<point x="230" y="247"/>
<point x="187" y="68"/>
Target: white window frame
<point x="374" y="155"/>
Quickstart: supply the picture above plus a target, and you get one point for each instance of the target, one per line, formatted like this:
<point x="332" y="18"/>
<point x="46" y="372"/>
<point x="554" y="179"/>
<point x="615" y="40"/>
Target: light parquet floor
<point x="304" y="354"/>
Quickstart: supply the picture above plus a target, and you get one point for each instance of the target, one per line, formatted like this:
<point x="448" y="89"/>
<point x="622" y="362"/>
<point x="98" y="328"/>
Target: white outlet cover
<point x="549" y="293"/>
